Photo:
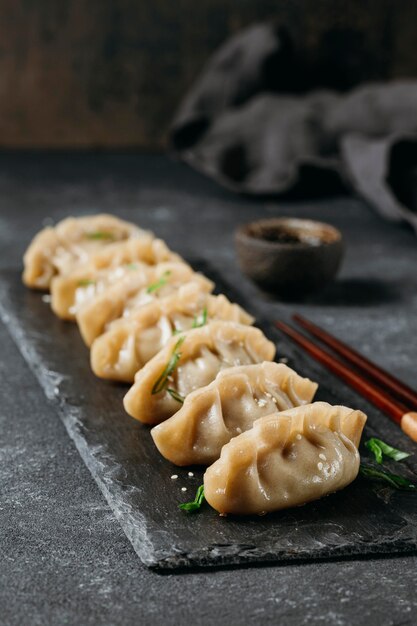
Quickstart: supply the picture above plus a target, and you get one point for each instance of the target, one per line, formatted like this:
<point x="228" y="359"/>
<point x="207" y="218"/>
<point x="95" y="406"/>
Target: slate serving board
<point x="366" y="518"/>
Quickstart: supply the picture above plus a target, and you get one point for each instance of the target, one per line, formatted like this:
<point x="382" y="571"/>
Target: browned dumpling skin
<point x="210" y="417"/>
<point x="131" y="342"/>
<point x="286" y="460"/>
<point x="203" y="352"/>
<point x="141" y="285"/>
<point x="59" y="249"/>
<point x="112" y="263"/>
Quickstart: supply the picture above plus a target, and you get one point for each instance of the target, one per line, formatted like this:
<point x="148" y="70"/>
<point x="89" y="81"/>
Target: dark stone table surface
<point x="64" y="558"/>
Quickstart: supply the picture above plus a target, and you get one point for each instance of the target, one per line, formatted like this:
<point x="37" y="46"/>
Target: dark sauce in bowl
<point x="292" y="232"/>
<point x="289" y="256"/>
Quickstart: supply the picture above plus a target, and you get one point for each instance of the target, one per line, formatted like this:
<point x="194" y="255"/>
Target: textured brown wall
<point x="109" y="73"/>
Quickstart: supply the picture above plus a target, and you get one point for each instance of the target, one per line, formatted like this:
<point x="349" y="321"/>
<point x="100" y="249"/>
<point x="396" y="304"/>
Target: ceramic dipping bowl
<point x="289" y="257"/>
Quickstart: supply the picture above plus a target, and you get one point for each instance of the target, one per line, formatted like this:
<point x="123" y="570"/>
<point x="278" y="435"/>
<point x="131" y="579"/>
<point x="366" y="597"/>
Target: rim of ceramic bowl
<point x="327" y="235"/>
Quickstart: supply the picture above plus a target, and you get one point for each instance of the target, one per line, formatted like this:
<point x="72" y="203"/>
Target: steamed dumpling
<point x="131" y="342"/>
<point x="141" y="285"/>
<point x="286" y="459"/>
<point x="211" y="416"/>
<point x="70" y="291"/>
<point x="59" y="249"/>
<point x="192" y="360"/>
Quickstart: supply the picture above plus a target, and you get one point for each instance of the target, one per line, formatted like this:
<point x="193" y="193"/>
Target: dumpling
<point x="58" y="249"/>
<point x="190" y="361"/>
<point x="110" y="264"/>
<point x="286" y="459"/>
<point x="211" y="416"/>
<point x="131" y="342"/>
<point x="140" y="286"/>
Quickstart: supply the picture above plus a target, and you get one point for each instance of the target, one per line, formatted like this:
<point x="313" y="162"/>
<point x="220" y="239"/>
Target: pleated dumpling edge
<point x="211" y="416"/>
<point x="198" y="355"/>
<point x="287" y="459"/>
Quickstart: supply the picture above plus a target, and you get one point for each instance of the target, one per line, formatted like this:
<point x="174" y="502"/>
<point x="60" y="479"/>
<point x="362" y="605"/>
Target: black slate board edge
<point x="226" y="556"/>
<point x="133" y="522"/>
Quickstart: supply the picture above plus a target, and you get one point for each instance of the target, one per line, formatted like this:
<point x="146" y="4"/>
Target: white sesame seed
<point x="298" y="436"/>
<point x="261" y="402"/>
<point x="322" y="457"/>
<point x="283" y="359"/>
<point x="320" y="466"/>
<point x="190" y="474"/>
<point x="174" y="476"/>
<point x="183" y="488"/>
<point x="46" y="298"/>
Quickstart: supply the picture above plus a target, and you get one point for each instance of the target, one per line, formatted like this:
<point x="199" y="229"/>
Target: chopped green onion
<point x="192" y="507"/>
<point x="398" y="482"/>
<point x="162" y="381"/>
<point x="379" y="448"/>
<point x="132" y="266"/>
<point x="159" y="283"/>
<point x="200" y="320"/>
<point x="85" y="282"/>
<point x="174" y="394"/>
<point x="100" y="234"/>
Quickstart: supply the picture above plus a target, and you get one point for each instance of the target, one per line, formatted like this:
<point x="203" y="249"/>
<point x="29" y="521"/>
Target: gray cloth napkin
<point x="246" y="124"/>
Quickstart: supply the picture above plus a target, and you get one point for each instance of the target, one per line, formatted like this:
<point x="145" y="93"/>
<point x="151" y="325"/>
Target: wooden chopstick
<point x="397" y="411"/>
<point x="373" y="371"/>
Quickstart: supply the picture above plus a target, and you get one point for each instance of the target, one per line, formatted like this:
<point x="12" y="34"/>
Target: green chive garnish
<point x="159" y="283"/>
<point x="99" y="234"/>
<point x="162" y="381"/>
<point x="192" y="507"/>
<point x="200" y="320"/>
<point x="398" y="482"/>
<point x="380" y="449"/>
<point x="85" y="282"/>
<point x="174" y="394"/>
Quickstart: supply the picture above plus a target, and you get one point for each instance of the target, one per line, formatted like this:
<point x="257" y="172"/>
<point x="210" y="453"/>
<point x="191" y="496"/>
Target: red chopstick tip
<point x="409" y="425"/>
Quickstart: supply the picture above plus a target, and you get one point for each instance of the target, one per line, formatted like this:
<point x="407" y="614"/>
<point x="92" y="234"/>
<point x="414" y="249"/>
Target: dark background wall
<point x="110" y="73"/>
